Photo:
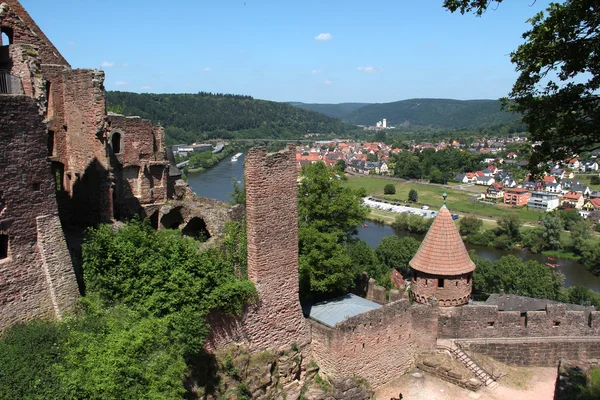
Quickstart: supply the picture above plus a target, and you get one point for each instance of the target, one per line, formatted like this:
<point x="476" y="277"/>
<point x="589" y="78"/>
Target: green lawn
<point x="371" y="185"/>
<point x="461" y="202"/>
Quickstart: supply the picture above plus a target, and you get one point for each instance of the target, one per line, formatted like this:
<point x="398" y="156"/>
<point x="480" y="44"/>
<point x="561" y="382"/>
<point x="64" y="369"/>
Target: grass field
<point x="585" y="179"/>
<point x="431" y="195"/>
<point x="371" y="185"/>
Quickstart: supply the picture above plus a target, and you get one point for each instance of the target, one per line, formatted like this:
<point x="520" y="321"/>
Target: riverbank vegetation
<point x="140" y="328"/>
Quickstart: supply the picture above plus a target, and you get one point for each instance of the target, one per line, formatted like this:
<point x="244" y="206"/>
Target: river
<point x="217" y="183"/>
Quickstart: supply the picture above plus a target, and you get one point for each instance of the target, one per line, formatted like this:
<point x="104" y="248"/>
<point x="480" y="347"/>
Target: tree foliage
<point x="413" y="196"/>
<point x="515" y="276"/>
<point x="389" y="189"/>
<point x="510" y="225"/>
<point x="328" y="216"/>
<point x="552" y="227"/>
<point x="412" y="223"/>
<point x="469" y="225"/>
<point x="559" y="68"/>
<point x="395" y="252"/>
<point x="192" y="117"/>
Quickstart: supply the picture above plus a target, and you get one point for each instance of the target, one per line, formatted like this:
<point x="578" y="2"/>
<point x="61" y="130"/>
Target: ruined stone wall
<point x="543" y="352"/>
<point x="272" y="230"/>
<point x="25" y="30"/>
<point x="140" y="166"/>
<point x="36" y="246"/>
<point x="88" y="166"/>
<point x="377" y="345"/>
<point x="487" y="322"/>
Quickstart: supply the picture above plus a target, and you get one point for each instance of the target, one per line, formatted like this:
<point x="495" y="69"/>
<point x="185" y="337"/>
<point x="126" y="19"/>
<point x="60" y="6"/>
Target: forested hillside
<point x="442" y="113"/>
<point x="435" y="113"/>
<point x="194" y="117"/>
<point x="339" y="111"/>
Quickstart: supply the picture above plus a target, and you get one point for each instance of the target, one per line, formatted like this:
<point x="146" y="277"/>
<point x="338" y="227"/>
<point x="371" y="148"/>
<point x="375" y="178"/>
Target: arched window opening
<point x="7" y="36"/>
<point x="196" y="228"/>
<point x="172" y="220"/>
<point x="116" y="142"/>
<point x="154" y="220"/>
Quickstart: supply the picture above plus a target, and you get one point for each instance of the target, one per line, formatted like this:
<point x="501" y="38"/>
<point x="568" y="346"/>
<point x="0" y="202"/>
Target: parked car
<point x="455" y="216"/>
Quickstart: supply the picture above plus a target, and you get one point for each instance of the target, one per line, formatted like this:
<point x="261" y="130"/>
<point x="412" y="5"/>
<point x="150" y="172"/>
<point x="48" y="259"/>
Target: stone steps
<point x="464" y="358"/>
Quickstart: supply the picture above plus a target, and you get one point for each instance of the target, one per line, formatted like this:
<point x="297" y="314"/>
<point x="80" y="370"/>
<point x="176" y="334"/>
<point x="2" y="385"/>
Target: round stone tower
<point x="442" y="268"/>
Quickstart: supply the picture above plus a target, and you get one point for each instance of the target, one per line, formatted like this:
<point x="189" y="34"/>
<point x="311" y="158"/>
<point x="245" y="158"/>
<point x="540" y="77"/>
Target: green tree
<point x="552" y="227"/>
<point x="389" y="189"/>
<point x="372" y="157"/>
<point x="163" y="274"/>
<point x="579" y="234"/>
<point x="395" y="252"/>
<point x="469" y="225"/>
<point x="413" y="196"/>
<point x="239" y="191"/>
<point x="595" y="180"/>
<point x="323" y="202"/>
<point x="533" y="239"/>
<point x="557" y="88"/>
<point x="583" y="296"/>
<point x="363" y="259"/>
<point x="325" y="268"/>
<point x="341" y="165"/>
<point x="328" y="216"/>
<point x="510" y="225"/>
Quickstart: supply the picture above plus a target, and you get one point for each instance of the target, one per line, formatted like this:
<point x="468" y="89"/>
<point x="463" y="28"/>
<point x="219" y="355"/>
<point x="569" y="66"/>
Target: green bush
<point x="389" y="189"/>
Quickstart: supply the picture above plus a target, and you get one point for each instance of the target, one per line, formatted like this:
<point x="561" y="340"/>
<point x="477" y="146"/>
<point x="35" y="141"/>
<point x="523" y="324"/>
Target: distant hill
<point x="339" y="111"/>
<point x="193" y="117"/>
<point x="438" y="113"/>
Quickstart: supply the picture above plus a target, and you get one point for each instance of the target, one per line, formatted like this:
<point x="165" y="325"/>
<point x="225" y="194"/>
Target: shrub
<point x="389" y="189"/>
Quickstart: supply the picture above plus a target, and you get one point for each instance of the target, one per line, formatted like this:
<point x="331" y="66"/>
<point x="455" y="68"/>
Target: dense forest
<point x="339" y="111"/>
<point x="436" y="113"/>
<point x="194" y="117"/>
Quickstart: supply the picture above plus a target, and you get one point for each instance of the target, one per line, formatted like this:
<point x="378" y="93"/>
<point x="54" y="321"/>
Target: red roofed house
<point x="573" y="199"/>
<point x="442" y="268"/>
<point x="549" y="179"/>
<point x="592" y="204"/>
<point x="398" y="280"/>
<point x="516" y="196"/>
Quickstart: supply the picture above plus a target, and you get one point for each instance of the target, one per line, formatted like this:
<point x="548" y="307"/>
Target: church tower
<point x="442" y="268"/>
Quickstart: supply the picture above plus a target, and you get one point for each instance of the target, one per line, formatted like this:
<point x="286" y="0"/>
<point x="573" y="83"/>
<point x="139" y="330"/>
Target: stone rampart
<point x="376" y="345"/>
<point x="544" y="351"/>
<point x="482" y="321"/>
<point x="36" y="277"/>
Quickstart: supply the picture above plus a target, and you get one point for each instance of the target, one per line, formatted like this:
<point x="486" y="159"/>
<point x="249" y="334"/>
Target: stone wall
<point x="454" y="290"/>
<point x="272" y="230"/>
<point x="535" y="351"/>
<point x="376" y="345"/>
<point x="483" y="321"/>
<point x="25" y="30"/>
<point x="36" y="277"/>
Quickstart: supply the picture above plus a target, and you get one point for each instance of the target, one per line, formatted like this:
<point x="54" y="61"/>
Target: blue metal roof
<point x="331" y="312"/>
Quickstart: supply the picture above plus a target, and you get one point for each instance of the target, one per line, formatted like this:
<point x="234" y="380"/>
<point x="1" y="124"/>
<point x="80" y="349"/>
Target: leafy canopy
<point x="559" y="77"/>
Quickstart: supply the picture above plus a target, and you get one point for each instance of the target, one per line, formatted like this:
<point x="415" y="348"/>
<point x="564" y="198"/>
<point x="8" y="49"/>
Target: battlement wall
<point x="483" y="321"/>
<point x="377" y="345"/>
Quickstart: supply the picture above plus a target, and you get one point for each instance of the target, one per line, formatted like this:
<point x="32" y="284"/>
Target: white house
<point x="588" y="166"/>
<point x="509" y="182"/>
<point x="462" y="178"/>
<point x="543" y="201"/>
<point x="553" y="187"/>
<point x="383" y="169"/>
<point x="485" y="180"/>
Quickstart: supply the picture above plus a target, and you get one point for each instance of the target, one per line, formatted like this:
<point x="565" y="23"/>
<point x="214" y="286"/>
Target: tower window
<point x="440" y="283"/>
<point x="117" y="143"/>
<point x="7" y="36"/>
<point x="3" y="247"/>
<point x="50" y="143"/>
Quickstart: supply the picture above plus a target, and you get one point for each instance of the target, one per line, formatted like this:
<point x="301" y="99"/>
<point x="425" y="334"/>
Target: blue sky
<point x="321" y="51"/>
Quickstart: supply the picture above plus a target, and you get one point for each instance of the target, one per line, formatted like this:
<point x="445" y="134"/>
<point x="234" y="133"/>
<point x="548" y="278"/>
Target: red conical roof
<point x="442" y="252"/>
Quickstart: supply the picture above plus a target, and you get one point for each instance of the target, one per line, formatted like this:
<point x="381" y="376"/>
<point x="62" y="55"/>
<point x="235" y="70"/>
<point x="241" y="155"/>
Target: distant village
<point x="560" y="188"/>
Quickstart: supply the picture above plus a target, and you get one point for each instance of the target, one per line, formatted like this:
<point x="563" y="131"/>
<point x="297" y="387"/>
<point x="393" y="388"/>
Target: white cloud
<point x="370" y="70"/>
<point x="316" y="72"/>
<point x="120" y="83"/>
<point x="206" y="69"/>
<point x="328" y="82"/>
<point x="106" y="64"/>
<point x="146" y="87"/>
<point x="323" y="36"/>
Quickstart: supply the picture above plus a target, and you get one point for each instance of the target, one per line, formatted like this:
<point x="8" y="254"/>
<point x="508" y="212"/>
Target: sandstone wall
<point x="28" y="217"/>
<point x="272" y="230"/>
<point x="25" y="30"/>
<point x="535" y="351"/>
<point x="487" y="322"/>
<point x="376" y="345"/>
